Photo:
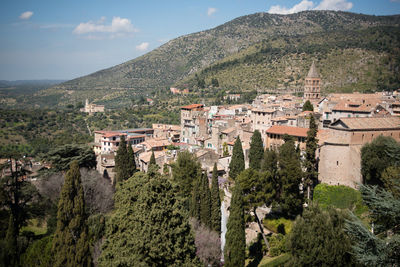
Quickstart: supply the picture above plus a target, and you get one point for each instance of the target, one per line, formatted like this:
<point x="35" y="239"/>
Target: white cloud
<point x="211" y="10"/>
<point x="309" y="5"/>
<point x="118" y="27"/>
<point x="334" y="5"/>
<point x="303" y="5"/>
<point x="142" y="46"/>
<point x="26" y="15"/>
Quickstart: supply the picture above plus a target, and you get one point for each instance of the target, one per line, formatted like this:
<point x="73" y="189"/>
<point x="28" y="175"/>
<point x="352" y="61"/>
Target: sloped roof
<point x="292" y="131"/>
<point x="193" y="106"/>
<point x="367" y="123"/>
<point x="313" y="73"/>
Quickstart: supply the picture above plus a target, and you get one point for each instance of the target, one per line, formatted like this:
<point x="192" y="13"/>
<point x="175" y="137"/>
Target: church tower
<point x="312" y="87"/>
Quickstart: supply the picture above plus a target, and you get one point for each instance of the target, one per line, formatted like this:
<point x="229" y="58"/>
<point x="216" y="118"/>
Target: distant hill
<point x="6" y="83"/>
<point x="184" y="56"/>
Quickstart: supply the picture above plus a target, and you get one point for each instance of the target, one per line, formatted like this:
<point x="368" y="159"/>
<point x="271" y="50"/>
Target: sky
<point x="60" y="39"/>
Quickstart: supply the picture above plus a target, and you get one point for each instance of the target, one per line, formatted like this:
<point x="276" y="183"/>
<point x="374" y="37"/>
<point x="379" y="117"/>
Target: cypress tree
<point x="131" y="159"/>
<point x="308" y="106"/>
<point x="11" y="246"/>
<point x="215" y="202"/>
<point x="235" y="246"/>
<point x="122" y="162"/>
<point x="256" y="151"/>
<point x="270" y="161"/>
<point x="148" y="227"/>
<point x="152" y="159"/>
<point x="311" y="175"/>
<point x="195" y="201"/>
<point x="71" y="241"/>
<point x="290" y="174"/>
<point x="236" y="166"/>
<point x="205" y="201"/>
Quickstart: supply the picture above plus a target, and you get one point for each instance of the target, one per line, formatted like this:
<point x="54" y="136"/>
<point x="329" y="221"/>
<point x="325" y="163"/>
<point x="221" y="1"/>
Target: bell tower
<point x="312" y="87"/>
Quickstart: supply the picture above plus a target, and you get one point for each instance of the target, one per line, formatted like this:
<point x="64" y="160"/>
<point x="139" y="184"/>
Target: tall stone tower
<point x="312" y="87"/>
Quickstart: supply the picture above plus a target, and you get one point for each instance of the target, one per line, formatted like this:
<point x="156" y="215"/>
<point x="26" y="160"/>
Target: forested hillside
<point x="272" y="48"/>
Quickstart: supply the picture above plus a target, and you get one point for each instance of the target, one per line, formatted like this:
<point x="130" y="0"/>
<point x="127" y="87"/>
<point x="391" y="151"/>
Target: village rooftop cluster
<point x="345" y="123"/>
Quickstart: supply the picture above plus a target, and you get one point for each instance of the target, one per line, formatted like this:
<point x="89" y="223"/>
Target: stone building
<point x="312" y="86"/>
<point x="92" y="108"/>
<point x="193" y="122"/>
<point x="339" y="155"/>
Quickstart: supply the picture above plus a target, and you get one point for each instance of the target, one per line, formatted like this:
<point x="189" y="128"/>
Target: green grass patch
<point x="340" y="196"/>
<point x="272" y="224"/>
<point x="275" y="261"/>
<point x="35" y="226"/>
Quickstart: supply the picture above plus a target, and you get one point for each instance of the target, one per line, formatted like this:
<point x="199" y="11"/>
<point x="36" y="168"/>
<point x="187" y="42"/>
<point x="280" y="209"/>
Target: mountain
<point x="186" y="55"/>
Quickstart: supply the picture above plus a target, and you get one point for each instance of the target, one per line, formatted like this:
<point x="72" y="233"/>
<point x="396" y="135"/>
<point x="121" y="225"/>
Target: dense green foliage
<point x="215" y="202"/>
<point x="391" y="180"/>
<point x="71" y="242"/>
<point x="205" y="201"/>
<point x="131" y="159"/>
<point x="148" y="227"/>
<point x="123" y="163"/>
<point x="237" y="165"/>
<point x="36" y="132"/>
<point x="277" y="225"/>
<point x="290" y="175"/>
<point x="340" y="197"/>
<point x="270" y="161"/>
<point x="257" y="190"/>
<point x="62" y="156"/>
<point x="184" y="172"/>
<point x="382" y="247"/>
<point x="235" y="246"/>
<point x="376" y="156"/>
<point x="318" y="239"/>
<point x="310" y="161"/>
<point x="308" y="106"/>
<point x="39" y="253"/>
<point x="256" y="151"/>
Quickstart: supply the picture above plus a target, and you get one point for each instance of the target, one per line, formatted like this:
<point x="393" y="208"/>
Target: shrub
<point x="278" y="225"/>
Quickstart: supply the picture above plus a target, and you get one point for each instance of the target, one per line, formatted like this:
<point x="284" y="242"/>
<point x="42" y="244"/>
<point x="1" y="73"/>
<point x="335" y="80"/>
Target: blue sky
<point x="59" y="39"/>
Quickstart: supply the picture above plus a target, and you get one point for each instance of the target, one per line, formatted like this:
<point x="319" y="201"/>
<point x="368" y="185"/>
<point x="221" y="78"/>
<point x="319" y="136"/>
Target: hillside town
<point x="345" y="123"/>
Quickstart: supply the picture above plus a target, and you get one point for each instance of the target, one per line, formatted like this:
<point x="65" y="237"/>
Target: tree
<point x="391" y="180"/>
<point x="214" y="82"/>
<point x="290" y="174"/>
<point x="236" y="166"/>
<point x="382" y="246"/>
<point x="376" y="156"/>
<point x="256" y="151"/>
<point x="235" y="246"/>
<point x="19" y="202"/>
<point x="310" y="164"/>
<point x="132" y="162"/>
<point x="270" y="161"/>
<point x="148" y="226"/>
<point x="62" y="156"/>
<point x="318" y="239"/>
<point x="225" y="149"/>
<point x="196" y="198"/>
<point x="71" y="242"/>
<point x="257" y="191"/>
<point x="215" y="202"/>
<point x="208" y="244"/>
<point x="205" y="201"/>
<point x="308" y="106"/>
<point x="152" y="159"/>
<point x="122" y="162"/>
<point x="184" y="172"/>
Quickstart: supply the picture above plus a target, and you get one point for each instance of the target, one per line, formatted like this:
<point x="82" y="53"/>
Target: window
<point x="337" y="163"/>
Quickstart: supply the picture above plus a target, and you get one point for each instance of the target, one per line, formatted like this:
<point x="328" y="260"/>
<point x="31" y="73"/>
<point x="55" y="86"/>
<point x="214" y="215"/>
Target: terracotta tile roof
<point x="229" y="130"/>
<point x="292" y="131"/>
<point x="150" y="143"/>
<point x="264" y="110"/>
<point x="145" y="156"/>
<point x="352" y="107"/>
<point x="193" y="106"/>
<point x="367" y="123"/>
<point x="111" y="134"/>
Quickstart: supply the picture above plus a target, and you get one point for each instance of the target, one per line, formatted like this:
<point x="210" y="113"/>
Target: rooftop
<point x="292" y="131"/>
<point x="312" y="73"/>
<point x="192" y="106"/>
<point x="367" y="123"/>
